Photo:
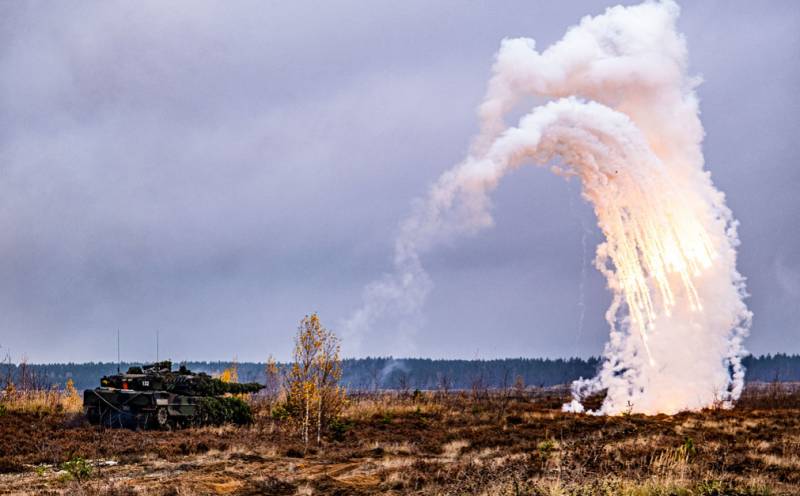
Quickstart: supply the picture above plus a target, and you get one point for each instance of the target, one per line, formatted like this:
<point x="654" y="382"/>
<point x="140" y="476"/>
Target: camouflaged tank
<point x="155" y="396"/>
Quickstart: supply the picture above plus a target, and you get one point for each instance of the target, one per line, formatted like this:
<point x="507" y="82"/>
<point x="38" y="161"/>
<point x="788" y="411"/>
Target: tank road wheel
<point x="161" y="418"/>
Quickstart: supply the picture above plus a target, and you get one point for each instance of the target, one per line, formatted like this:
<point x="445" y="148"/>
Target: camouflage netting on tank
<point x="205" y="385"/>
<point x="220" y="410"/>
<point x="160" y="376"/>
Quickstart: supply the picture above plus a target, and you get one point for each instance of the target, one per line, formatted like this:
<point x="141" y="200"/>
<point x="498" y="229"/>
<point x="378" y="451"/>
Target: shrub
<point x="220" y="410"/>
<point x="546" y="447"/>
<point x="339" y="428"/>
<point x="710" y="488"/>
<point x="280" y="412"/>
<point x="77" y="468"/>
<point x="687" y="449"/>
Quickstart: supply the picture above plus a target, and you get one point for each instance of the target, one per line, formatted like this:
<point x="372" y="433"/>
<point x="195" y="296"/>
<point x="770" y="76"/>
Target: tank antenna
<point x="156" y="345"/>
<point x="118" y="351"/>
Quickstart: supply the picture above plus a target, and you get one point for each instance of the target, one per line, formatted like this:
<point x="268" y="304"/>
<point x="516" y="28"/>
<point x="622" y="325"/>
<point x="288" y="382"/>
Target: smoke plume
<point x="617" y="111"/>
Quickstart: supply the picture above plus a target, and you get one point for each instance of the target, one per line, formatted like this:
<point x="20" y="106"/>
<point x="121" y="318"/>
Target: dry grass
<point x="392" y="405"/>
<point x="42" y="402"/>
<point x="424" y="445"/>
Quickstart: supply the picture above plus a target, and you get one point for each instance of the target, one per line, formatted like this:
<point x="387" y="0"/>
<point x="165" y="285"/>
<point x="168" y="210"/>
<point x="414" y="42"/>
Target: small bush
<point x="220" y="410"/>
<point x="546" y="447"/>
<point x="338" y="428"/>
<point x="279" y="412"/>
<point x="687" y="449"/>
<point x="77" y="468"/>
<point x="710" y="488"/>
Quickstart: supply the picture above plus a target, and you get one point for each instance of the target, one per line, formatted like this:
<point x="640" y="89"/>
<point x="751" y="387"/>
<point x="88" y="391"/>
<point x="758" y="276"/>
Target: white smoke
<point x="621" y="114"/>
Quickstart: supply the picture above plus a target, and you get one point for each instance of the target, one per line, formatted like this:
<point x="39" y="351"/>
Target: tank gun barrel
<point x="248" y="387"/>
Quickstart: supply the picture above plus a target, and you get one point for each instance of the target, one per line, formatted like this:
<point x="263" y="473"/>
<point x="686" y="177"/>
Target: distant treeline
<point x="407" y="373"/>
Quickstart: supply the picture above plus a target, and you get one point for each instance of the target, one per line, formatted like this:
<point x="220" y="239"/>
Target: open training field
<point x="501" y="442"/>
<point x="554" y="246"/>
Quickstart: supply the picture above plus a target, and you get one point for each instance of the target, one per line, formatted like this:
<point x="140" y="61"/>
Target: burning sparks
<point x="656" y="244"/>
<point x="653" y="238"/>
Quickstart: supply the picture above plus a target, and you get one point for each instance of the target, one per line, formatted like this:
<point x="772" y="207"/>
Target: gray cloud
<point x="217" y="170"/>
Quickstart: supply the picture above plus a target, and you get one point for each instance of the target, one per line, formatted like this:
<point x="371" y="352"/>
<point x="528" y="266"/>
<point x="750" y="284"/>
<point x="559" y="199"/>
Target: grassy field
<point x="428" y="444"/>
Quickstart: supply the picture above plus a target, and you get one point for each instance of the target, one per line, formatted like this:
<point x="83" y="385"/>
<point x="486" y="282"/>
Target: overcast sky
<point x="217" y="170"/>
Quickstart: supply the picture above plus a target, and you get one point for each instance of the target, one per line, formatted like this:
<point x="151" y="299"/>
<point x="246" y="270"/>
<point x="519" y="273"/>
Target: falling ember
<point x="622" y="117"/>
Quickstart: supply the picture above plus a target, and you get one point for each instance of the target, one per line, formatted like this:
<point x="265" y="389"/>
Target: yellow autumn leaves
<point x="314" y="396"/>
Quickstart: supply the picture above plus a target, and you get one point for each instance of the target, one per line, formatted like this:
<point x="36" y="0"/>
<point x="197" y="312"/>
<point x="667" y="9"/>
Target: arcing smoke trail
<point x="623" y="117"/>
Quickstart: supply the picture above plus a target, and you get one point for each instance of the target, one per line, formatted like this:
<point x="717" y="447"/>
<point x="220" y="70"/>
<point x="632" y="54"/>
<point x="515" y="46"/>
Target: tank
<point x="156" y="397"/>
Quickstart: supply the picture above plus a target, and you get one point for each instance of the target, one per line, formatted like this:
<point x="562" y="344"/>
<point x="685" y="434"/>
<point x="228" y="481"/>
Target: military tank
<point x="156" y="397"/>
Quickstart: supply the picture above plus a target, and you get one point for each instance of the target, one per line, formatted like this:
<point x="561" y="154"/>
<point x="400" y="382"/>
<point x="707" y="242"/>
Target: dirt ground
<point x="433" y="444"/>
